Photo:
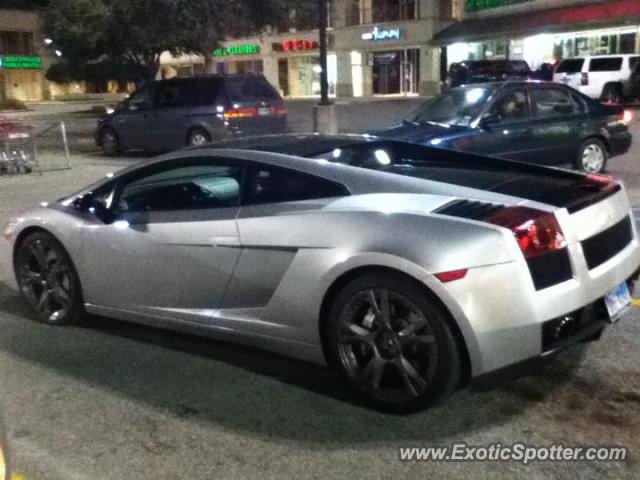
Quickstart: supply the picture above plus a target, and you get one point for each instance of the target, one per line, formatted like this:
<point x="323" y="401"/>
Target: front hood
<point x="417" y="133"/>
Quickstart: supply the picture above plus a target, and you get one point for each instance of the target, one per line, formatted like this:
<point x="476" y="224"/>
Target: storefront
<point x="21" y="77"/>
<point x="545" y="35"/>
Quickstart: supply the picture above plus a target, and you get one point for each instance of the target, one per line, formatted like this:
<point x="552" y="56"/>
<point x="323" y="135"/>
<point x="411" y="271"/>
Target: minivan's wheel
<point x="110" y="142"/>
<point x="197" y="137"/>
<point x="592" y="156"/>
<point x="48" y="280"/>
<point x="392" y="343"/>
<point x="611" y="93"/>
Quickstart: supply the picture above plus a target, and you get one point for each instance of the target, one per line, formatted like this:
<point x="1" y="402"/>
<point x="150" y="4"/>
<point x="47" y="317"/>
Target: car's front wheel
<point x="48" y="280"/>
<point x="198" y="137"/>
<point x="392" y="343"/>
<point x="592" y="156"/>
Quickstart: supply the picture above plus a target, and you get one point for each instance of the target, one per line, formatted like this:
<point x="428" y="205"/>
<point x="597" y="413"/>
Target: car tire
<point x="400" y="365"/>
<point x="48" y="280"/>
<point x="611" y="93"/>
<point x="110" y="142"/>
<point x="198" y="137"/>
<point x="592" y="156"/>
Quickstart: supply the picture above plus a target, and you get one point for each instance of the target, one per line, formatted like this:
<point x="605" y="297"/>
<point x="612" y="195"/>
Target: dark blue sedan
<point x="536" y="122"/>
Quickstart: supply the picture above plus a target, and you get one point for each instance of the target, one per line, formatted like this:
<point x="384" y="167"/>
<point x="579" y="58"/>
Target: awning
<point x="556" y="20"/>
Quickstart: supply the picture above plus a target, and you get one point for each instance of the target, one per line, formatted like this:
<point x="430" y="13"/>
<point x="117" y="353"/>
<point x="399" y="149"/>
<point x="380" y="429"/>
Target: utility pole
<point x="324" y="114"/>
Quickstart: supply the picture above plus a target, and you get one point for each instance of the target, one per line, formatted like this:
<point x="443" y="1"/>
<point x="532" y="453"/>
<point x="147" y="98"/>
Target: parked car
<point x="528" y="121"/>
<point x="480" y="71"/>
<point x="604" y="77"/>
<point x="170" y="114"/>
<point x="406" y="286"/>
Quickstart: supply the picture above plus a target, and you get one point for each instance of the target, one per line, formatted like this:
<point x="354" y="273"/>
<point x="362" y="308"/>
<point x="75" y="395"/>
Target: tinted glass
<point x="552" y="102"/>
<point x="573" y="65"/>
<point x="170" y="94"/>
<point x="187" y="187"/>
<point x="274" y="185"/>
<point x="612" y="64"/>
<point x="456" y="107"/>
<point x="141" y="100"/>
<point x="511" y="106"/>
<point x="250" y="88"/>
<point x="202" y="91"/>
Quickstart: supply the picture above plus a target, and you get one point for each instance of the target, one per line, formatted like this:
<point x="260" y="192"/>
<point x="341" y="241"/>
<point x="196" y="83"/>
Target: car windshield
<point x="458" y="107"/>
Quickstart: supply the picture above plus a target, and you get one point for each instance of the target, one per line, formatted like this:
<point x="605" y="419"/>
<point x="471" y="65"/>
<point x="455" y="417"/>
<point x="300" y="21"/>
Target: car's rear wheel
<point x="110" y="142"/>
<point x="48" y="280"/>
<point x="198" y="137"/>
<point x="392" y="343"/>
<point x="592" y="156"/>
<point x="611" y="93"/>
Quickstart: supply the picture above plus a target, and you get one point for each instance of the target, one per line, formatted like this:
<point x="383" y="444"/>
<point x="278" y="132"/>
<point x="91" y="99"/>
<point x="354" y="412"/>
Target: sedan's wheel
<point x="392" y="344"/>
<point x="48" y="280"/>
<point x="110" y="142"/>
<point x="592" y="157"/>
<point x="198" y="137"/>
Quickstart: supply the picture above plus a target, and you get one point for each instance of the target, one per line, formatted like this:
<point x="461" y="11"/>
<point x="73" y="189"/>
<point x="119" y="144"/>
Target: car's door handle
<point x="225" y="241"/>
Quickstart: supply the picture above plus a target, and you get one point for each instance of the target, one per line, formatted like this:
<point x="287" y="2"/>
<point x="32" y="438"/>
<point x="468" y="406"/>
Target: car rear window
<point x="610" y="64"/>
<point x="250" y="88"/>
<point x="573" y="65"/>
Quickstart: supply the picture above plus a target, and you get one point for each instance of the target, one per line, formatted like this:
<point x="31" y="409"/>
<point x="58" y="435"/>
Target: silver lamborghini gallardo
<point x="407" y="269"/>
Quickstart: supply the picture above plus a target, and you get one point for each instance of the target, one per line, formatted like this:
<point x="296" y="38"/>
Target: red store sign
<point x="295" y="45"/>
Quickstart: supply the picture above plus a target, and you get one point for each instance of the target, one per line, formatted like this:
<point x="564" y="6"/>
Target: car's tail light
<point x="281" y="110"/>
<point x="585" y="79"/>
<point x="241" y="113"/>
<point x="536" y="232"/>
<point x="626" y="118"/>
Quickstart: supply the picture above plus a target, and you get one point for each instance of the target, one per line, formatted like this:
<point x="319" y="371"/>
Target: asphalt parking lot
<point x="108" y="400"/>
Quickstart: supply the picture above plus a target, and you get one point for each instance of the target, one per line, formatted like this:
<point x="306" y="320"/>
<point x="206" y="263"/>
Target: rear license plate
<point x="618" y="301"/>
<point x="264" y="111"/>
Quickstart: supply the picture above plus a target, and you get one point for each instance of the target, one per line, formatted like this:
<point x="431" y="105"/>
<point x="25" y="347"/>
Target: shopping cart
<point x="17" y="147"/>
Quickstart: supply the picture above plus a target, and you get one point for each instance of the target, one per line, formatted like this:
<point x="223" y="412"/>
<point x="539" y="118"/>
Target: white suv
<point x="604" y="76"/>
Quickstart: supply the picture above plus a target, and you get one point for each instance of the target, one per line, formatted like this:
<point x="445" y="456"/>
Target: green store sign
<point x="475" y="5"/>
<point x="249" y="49"/>
<point x="15" y="63"/>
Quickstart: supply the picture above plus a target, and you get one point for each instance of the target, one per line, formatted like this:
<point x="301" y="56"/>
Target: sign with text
<point x="378" y="34"/>
<point x="475" y="5"/>
<point x="21" y="63"/>
<point x="295" y="46"/>
<point x="249" y="49"/>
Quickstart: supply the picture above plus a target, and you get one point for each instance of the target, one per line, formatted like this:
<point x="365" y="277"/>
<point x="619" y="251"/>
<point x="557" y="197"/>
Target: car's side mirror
<point x="490" y="118"/>
<point x="95" y="206"/>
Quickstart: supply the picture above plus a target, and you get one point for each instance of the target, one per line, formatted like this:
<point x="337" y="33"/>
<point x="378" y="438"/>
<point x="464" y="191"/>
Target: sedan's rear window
<point x="612" y="64"/>
<point x="573" y="65"/>
<point x="250" y="88"/>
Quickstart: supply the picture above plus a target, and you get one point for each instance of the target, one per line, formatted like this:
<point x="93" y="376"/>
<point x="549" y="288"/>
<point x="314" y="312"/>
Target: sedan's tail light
<point x="281" y="110"/>
<point x="241" y="113"/>
<point x="536" y="232"/>
<point x="626" y="118"/>
<point x="585" y="79"/>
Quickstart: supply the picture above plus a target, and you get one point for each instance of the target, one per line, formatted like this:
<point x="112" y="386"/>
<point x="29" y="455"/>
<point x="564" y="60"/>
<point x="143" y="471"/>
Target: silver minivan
<point x="170" y="114"/>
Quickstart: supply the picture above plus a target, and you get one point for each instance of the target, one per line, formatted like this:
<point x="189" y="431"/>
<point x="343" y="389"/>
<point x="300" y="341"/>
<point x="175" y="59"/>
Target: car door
<point x="133" y="121"/>
<point x="167" y="126"/>
<point x="504" y="129"/>
<point x="173" y="245"/>
<point x="558" y="125"/>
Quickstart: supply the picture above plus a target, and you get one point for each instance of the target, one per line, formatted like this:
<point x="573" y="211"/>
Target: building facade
<point x="376" y="47"/>
<point x="541" y="31"/>
<point x="23" y="59"/>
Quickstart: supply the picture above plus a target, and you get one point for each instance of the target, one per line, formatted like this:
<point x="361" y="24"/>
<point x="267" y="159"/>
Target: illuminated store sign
<point x="383" y="34"/>
<point x="16" y="63"/>
<point x="249" y="49"/>
<point x="475" y="5"/>
<point x="295" y="46"/>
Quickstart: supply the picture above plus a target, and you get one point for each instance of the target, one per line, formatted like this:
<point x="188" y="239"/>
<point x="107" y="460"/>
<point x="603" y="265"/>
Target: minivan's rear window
<point x="250" y="88"/>
<point x="573" y="65"/>
<point x="610" y="64"/>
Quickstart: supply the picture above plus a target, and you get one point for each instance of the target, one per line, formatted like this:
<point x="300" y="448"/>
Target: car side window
<point x="512" y="106"/>
<point x="606" y="64"/>
<point x="267" y="184"/>
<point x="170" y="95"/>
<point x="553" y="102"/>
<point x="193" y="185"/>
<point x="140" y="100"/>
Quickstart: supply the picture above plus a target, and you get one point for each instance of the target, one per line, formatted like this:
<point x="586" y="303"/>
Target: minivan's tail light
<point x="281" y="110"/>
<point x="536" y="232"/>
<point x="626" y="118"/>
<point x="585" y="79"/>
<point x="241" y="113"/>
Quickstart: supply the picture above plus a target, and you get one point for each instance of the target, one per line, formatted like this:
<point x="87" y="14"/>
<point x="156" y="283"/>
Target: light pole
<point x="324" y="114"/>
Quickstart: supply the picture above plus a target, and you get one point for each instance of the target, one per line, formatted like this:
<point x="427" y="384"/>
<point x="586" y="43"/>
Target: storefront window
<point x="379" y="11"/>
<point x="396" y="72"/>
